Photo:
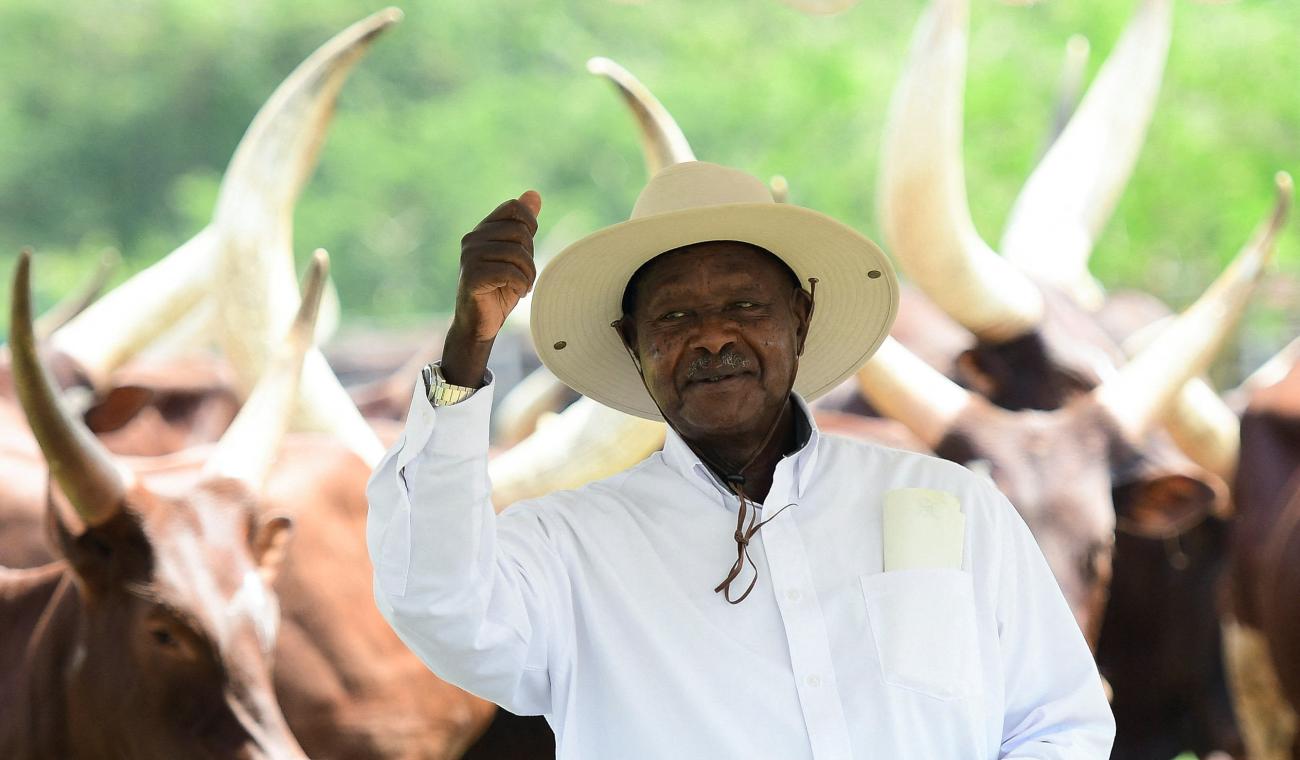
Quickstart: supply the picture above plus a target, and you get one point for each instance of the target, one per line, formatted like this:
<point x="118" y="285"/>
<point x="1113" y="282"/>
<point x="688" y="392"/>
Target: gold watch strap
<point x="441" y="392"/>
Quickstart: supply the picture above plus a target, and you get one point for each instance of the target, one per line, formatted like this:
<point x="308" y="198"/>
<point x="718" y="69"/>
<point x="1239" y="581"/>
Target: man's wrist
<point x="440" y="392"/>
<point x="464" y="360"/>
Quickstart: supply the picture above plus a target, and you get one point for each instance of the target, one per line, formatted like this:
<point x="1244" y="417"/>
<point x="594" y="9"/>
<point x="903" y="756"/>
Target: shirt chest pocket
<point x="923" y="623"/>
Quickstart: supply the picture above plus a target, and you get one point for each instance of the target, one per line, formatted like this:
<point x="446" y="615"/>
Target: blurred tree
<point x="119" y="116"/>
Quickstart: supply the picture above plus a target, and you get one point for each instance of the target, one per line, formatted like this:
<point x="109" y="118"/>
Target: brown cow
<point x="1264" y="637"/>
<point x="151" y="637"/>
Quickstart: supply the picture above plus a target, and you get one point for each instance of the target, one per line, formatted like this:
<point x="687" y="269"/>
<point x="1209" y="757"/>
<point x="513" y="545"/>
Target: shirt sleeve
<point x="1055" y="707"/>
<point x="476" y="596"/>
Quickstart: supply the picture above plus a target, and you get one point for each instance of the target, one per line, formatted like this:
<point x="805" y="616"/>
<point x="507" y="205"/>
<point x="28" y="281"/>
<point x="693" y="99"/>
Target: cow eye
<point x="164" y="637"/>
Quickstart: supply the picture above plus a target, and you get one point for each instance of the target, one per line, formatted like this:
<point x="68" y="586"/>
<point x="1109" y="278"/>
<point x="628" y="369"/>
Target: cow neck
<point x="37" y="726"/>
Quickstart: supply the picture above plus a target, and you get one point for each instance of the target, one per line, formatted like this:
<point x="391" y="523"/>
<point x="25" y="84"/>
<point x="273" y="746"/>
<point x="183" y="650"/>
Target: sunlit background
<point x="117" y="119"/>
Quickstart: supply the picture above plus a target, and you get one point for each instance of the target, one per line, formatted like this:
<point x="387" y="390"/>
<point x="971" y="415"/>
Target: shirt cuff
<point x="458" y="430"/>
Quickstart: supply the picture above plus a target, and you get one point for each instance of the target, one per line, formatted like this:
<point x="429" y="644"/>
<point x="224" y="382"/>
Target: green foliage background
<point x="117" y="119"/>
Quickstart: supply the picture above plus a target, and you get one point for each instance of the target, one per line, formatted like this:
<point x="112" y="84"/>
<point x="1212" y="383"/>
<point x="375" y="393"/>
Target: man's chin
<point x="712" y="419"/>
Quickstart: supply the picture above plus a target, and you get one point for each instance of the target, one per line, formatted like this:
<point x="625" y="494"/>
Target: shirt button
<point x="793" y="595"/>
<point x="814" y="681"/>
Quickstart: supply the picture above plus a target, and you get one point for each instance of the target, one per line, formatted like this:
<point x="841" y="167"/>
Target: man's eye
<point x="672" y="315"/>
<point x="745" y="304"/>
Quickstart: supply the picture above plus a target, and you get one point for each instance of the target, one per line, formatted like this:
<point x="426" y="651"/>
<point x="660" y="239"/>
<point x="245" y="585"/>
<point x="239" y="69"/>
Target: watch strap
<point x="439" y="391"/>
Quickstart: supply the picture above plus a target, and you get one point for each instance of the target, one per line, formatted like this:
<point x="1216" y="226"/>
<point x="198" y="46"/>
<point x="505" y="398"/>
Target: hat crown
<point x="693" y="184"/>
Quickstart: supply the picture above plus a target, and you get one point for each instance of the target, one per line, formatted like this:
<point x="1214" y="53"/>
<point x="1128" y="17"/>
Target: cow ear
<point x="102" y="556"/>
<point x="1165" y="505"/>
<point x="118" y="407"/>
<point x="270" y="544"/>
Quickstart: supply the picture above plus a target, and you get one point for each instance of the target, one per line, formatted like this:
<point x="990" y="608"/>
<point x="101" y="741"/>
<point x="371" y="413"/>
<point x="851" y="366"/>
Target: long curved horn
<point x="922" y="194"/>
<point x="85" y="471"/>
<point x="906" y="389"/>
<point x="74" y="304"/>
<point x="255" y="201"/>
<point x="1200" y="423"/>
<point x="248" y="447"/>
<point x="131" y="316"/>
<point x="257" y="288"/>
<point x="1070" y="196"/>
<point x="585" y="442"/>
<point x="1145" y="387"/>
<point x="662" y="141"/>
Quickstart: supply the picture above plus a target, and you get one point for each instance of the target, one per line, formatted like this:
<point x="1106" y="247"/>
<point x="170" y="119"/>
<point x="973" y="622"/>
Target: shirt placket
<point x="805" y="626"/>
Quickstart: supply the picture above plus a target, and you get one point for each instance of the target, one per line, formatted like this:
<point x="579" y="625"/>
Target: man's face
<point x="718" y="328"/>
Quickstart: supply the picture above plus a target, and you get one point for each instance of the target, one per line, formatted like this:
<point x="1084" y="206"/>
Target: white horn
<point x="1200" y="423"/>
<point x="904" y="388"/>
<point x="922" y="195"/>
<point x="585" y="442"/>
<point x="1145" y="387"/>
<point x="662" y="141"/>
<point x="256" y="199"/>
<point x="131" y="316"/>
<point x="248" y="447"/>
<point x="256" y="288"/>
<point x="1071" y="194"/>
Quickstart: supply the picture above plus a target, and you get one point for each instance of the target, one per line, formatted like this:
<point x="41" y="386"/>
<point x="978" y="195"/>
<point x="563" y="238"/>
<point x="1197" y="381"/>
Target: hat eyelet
<point x="560" y="344"/>
<point x="873" y="274"/>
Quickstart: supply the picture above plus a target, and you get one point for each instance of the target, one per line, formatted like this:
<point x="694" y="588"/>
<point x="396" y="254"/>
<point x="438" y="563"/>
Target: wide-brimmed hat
<point x="580" y="292"/>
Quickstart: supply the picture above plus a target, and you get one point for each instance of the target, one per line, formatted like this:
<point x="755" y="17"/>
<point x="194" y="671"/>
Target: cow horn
<point x="585" y="442"/>
<point x="92" y="481"/>
<point x="662" y="141"/>
<point x="1144" y="388"/>
<point x="248" y="447"/>
<point x="908" y="390"/>
<point x="258" y="292"/>
<point x="255" y="203"/>
<point x="922" y="195"/>
<point x="1068" y="199"/>
<point x="1200" y="423"/>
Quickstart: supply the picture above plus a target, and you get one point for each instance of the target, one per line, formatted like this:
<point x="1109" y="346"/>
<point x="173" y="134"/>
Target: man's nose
<point x="713" y="333"/>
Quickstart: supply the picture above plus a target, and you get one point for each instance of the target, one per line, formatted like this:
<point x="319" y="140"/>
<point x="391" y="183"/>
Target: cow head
<point x="171" y="654"/>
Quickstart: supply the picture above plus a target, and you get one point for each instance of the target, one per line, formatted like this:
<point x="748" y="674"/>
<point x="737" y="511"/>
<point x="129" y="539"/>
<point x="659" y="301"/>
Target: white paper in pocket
<point x="923" y="528"/>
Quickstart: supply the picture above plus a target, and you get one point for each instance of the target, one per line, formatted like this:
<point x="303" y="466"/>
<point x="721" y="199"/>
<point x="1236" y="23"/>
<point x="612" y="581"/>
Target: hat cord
<point x="735" y="482"/>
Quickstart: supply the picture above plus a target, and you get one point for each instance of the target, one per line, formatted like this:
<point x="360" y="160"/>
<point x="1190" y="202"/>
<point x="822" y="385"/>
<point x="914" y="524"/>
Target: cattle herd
<point x="182" y="471"/>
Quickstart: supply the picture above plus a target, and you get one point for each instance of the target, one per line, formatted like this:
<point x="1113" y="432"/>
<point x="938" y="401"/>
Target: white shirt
<point x="596" y="608"/>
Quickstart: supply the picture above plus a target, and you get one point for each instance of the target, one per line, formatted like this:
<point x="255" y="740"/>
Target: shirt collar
<point x="680" y="459"/>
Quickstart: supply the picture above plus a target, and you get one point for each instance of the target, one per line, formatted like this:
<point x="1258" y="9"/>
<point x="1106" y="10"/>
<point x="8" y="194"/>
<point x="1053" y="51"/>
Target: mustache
<point x="712" y="362"/>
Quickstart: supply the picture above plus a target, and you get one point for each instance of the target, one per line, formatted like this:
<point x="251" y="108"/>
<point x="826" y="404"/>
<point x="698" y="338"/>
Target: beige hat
<point x="580" y="292"/>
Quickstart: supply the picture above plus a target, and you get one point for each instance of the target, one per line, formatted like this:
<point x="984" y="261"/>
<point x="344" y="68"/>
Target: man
<point x="755" y="589"/>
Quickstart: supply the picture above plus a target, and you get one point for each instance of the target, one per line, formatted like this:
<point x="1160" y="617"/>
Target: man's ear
<point x="626" y="328"/>
<point x="803" y="311"/>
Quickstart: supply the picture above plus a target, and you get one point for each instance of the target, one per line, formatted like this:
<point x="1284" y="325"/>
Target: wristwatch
<point x="441" y="392"/>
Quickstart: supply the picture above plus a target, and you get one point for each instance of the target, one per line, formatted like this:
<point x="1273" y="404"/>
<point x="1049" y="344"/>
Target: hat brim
<point x="579" y="294"/>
